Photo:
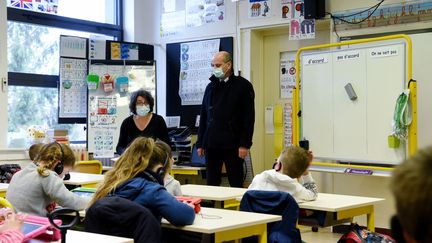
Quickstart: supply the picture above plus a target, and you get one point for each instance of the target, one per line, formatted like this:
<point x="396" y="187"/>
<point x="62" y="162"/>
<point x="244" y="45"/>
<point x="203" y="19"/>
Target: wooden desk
<point x="228" y="224"/>
<point x="219" y="194"/>
<point x="3" y="189"/>
<point x="73" y="236"/>
<point x="84" y="179"/>
<point x="187" y="170"/>
<point x="345" y="206"/>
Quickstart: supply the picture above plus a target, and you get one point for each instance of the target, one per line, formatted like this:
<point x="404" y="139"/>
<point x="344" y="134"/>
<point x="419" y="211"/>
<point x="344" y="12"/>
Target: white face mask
<point x="142" y="110"/>
<point x="218" y="72"/>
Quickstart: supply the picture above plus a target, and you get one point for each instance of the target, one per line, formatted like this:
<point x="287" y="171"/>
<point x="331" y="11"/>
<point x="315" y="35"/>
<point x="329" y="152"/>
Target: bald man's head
<point x="222" y="60"/>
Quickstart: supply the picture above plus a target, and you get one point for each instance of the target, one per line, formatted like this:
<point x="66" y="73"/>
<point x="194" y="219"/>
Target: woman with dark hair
<point x="143" y="122"/>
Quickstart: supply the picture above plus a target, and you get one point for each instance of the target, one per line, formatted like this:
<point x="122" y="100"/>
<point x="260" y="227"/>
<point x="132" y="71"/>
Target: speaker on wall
<point x="314" y="9"/>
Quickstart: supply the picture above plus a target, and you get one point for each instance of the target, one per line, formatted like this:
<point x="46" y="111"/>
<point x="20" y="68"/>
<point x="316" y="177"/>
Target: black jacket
<point x="227" y="114"/>
<point x="121" y="217"/>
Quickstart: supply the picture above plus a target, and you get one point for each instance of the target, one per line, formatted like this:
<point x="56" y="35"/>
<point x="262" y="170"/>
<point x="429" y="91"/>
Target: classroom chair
<point x="117" y="216"/>
<point x="278" y="203"/>
<point x="89" y="166"/>
<point x="5" y="203"/>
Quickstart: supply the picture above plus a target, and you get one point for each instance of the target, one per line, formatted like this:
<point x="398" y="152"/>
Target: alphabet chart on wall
<point x="73" y="88"/>
<point x="195" y="59"/>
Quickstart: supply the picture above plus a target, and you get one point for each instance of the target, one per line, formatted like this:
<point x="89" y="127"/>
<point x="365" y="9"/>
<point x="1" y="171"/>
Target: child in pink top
<point x="10" y="229"/>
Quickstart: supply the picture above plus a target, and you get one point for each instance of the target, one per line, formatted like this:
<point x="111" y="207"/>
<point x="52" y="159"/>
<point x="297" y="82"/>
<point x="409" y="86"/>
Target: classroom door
<point x="274" y="42"/>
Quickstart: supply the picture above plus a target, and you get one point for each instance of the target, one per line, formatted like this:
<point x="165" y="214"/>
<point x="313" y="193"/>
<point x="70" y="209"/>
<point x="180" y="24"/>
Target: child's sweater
<point x="270" y="180"/>
<point x="34" y="194"/>
<point x="173" y="186"/>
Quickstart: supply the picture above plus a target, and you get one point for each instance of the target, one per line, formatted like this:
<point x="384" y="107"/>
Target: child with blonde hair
<point x="38" y="188"/>
<point x="138" y="176"/>
<point x="290" y="175"/>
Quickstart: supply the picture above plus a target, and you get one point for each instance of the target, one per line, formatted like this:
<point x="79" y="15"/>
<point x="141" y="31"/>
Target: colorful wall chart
<point x="47" y="6"/>
<point x="124" y="51"/>
<point x="195" y="62"/>
<point x="73" y="88"/>
<point x="259" y="8"/>
<point x="300" y="28"/>
<point x="287" y="75"/>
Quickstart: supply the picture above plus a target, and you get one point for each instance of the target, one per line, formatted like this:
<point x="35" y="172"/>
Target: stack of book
<point x="59" y="135"/>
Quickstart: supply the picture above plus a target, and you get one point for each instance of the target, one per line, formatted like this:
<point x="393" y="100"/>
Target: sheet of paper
<point x="195" y="69"/>
<point x="97" y="48"/>
<point x="73" y="47"/>
<point x="73" y="88"/>
<point x="269" y="128"/>
<point x="173" y="121"/>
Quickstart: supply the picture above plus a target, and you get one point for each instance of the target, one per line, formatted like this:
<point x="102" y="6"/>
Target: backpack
<point x="7" y="171"/>
<point x="358" y="235"/>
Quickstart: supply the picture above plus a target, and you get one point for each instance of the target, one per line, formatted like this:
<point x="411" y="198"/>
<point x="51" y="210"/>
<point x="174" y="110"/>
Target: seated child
<point x="290" y="175"/>
<point x="410" y="184"/>
<point x="10" y="227"/>
<point x="172" y="185"/>
<point x="38" y="188"/>
<point x="34" y="150"/>
<point x="138" y="176"/>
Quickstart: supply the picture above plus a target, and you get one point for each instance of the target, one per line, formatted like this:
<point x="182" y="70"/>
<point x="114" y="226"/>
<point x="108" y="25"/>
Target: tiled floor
<point x="324" y="235"/>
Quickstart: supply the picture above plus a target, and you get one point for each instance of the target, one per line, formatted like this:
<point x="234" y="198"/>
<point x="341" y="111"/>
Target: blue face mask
<point x="142" y="110"/>
<point x="218" y="73"/>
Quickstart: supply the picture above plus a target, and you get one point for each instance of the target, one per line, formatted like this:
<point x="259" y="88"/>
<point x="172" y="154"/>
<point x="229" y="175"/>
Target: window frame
<point x="50" y="20"/>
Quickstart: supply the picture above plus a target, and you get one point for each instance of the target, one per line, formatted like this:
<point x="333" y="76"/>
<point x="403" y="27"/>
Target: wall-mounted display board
<point x="340" y="126"/>
<point x="175" y="56"/>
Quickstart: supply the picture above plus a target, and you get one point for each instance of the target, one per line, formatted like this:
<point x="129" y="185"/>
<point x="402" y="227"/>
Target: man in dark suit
<point x="226" y="122"/>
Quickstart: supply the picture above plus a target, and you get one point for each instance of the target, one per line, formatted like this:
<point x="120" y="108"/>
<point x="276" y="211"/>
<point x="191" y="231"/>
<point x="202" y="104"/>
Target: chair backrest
<point x="278" y="203"/>
<point x="5" y="203"/>
<point x="121" y="217"/>
<point x="89" y="166"/>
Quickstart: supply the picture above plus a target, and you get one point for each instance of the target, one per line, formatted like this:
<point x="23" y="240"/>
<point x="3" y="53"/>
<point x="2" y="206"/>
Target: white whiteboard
<point x="341" y="129"/>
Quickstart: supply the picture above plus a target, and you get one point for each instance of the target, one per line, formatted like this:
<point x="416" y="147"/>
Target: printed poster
<point x="172" y="23"/>
<point x="73" y="47"/>
<point x="259" y="8"/>
<point x="286" y="9"/>
<point x="73" y="88"/>
<point x="102" y="119"/>
<point x="97" y="48"/>
<point x="194" y="13"/>
<point x="300" y="28"/>
<point x="199" y="12"/>
<point x="288" y="133"/>
<point x="124" y="51"/>
<point x="103" y="143"/>
<point x="287" y="75"/>
<point x="214" y="11"/>
<point x="195" y="69"/>
<point x="46" y="6"/>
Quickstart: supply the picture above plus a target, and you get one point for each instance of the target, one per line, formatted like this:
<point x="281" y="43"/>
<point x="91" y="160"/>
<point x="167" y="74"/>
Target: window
<point x="35" y="48"/>
<point x="33" y="61"/>
<point x="102" y="11"/>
